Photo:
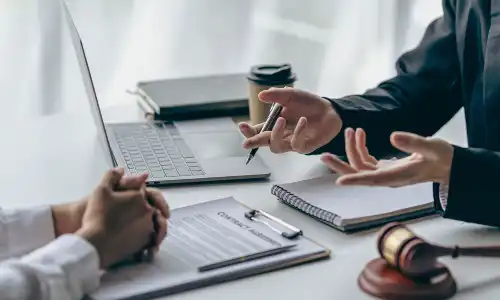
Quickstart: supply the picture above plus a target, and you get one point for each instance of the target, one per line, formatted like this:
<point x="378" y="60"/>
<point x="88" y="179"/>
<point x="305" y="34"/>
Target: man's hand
<point x="68" y="217"/>
<point x="119" y="223"/>
<point x="430" y="161"/>
<point x="307" y="122"/>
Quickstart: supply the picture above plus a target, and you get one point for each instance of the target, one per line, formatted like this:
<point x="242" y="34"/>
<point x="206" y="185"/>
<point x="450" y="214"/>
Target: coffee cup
<point x="263" y="77"/>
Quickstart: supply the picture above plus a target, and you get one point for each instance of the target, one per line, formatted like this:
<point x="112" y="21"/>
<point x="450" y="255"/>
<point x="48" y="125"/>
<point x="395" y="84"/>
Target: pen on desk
<point x="274" y="113"/>
<point x="241" y="259"/>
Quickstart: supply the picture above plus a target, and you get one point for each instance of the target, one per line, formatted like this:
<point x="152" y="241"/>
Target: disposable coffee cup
<point x="263" y="77"/>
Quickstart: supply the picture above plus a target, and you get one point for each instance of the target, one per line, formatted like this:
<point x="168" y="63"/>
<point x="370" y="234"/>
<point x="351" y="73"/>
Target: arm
<point x="421" y="98"/>
<point x="66" y="268"/>
<point x="473" y="188"/>
<point x="24" y="230"/>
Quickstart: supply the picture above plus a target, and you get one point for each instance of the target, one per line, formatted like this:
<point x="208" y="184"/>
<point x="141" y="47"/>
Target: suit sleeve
<point x="423" y="96"/>
<point x="473" y="188"/>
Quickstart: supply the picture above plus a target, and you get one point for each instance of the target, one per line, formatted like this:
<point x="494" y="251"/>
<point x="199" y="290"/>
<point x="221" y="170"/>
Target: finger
<point x="161" y="232"/>
<point x="260" y="140"/>
<point x="411" y="143"/>
<point x="277" y="144"/>
<point x="137" y="196"/>
<point x="112" y="177"/>
<point x="299" y="141"/>
<point x="336" y="164"/>
<point x="158" y="201"/>
<point x="351" y="151"/>
<point x="365" y="156"/>
<point x="248" y="130"/>
<point x="157" y="238"/>
<point x="133" y="182"/>
<point x="403" y="174"/>
<point x="277" y="95"/>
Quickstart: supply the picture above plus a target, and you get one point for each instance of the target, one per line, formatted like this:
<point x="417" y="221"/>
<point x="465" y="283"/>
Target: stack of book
<point x="191" y="98"/>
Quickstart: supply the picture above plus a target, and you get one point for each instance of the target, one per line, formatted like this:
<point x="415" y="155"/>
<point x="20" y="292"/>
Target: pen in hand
<point x="275" y="112"/>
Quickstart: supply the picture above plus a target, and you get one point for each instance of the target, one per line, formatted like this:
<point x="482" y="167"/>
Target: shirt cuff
<point x="24" y="230"/>
<point x="443" y="196"/>
<point x="76" y="257"/>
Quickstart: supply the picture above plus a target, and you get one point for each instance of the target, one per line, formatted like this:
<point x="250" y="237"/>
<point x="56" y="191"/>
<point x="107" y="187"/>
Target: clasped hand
<point x="121" y="218"/>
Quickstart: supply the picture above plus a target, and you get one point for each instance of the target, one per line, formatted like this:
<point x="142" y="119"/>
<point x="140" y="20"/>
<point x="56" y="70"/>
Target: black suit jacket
<point x="456" y="64"/>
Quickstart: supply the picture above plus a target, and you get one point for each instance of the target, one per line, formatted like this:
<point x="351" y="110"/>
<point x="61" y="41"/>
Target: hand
<point x="307" y="122"/>
<point x="118" y="224"/>
<point x="155" y="199"/>
<point x="68" y="217"/>
<point x="430" y="161"/>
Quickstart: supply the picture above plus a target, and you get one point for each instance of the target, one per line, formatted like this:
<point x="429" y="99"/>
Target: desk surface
<point x="57" y="159"/>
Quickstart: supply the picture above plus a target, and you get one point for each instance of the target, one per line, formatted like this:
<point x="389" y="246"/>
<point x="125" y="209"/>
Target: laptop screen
<point x="89" y="85"/>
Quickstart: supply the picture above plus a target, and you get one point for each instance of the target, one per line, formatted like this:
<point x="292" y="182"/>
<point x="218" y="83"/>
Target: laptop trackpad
<point x="216" y="144"/>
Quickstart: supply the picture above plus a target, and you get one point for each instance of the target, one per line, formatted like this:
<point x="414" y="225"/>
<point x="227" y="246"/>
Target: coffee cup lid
<point x="272" y="74"/>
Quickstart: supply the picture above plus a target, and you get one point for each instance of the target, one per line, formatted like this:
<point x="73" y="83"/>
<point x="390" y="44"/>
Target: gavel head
<point x="407" y="252"/>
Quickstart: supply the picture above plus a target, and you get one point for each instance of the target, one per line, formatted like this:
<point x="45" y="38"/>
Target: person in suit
<point x="455" y="65"/>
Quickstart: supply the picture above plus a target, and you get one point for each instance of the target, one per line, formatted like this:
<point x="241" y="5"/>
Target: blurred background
<point x="336" y="47"/>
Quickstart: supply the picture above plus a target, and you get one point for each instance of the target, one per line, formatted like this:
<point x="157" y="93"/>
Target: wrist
<point x="67" y="218"/>
<point x="446" y="163"/>
<point x="333" y="110"/>
<point x="96" y="238"/>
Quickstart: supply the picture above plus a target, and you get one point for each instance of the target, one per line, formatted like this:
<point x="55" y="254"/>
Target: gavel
<point x="408" y="267"/>
<point x="416" y="258"/>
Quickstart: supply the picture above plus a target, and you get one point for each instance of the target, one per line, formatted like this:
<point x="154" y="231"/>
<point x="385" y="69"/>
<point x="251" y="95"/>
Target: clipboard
<point x="255" y="227"/>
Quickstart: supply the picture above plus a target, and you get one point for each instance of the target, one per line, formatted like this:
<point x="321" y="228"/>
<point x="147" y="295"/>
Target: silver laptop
<point x="171" y="152"/>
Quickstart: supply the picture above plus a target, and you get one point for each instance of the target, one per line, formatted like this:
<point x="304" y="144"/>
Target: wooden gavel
<point x="416" y="258"/>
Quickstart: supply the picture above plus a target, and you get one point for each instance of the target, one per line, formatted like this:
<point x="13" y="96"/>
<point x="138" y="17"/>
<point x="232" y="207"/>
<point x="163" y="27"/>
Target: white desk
<point x="57" y="159"/>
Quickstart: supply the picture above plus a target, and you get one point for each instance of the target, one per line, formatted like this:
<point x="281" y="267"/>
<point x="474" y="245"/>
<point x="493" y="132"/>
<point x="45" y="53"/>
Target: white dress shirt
<point x="443" y="196"/>
<point x="35" y="266"/>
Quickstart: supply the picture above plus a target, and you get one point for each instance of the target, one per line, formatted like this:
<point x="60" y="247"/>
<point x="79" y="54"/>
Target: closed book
<point x="189" y="98"/>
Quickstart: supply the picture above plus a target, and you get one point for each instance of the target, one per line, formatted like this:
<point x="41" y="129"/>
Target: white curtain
<point x="335" y="46"/>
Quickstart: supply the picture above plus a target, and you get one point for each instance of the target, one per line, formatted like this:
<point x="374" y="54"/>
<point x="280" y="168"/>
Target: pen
<point x="242" y="259"/>
<point x="274" y="113"/>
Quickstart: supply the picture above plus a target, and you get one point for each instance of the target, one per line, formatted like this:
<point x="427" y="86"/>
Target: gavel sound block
<point x="408" y="268"/>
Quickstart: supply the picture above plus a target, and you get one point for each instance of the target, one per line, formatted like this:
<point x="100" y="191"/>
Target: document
<point x="208" y="237"/>
<point x="200" y="235"/>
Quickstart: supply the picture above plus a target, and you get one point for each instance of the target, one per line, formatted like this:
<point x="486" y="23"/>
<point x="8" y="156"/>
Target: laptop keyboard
<point x="156" y="148"/>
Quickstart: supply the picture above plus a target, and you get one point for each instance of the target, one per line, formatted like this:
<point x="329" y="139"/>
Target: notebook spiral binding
<point x="294" y="201"/>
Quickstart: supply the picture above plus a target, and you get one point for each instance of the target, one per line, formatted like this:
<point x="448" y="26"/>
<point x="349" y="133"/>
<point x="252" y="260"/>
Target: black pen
<point x="274" y="113"/>
<point x="241" y="259"/>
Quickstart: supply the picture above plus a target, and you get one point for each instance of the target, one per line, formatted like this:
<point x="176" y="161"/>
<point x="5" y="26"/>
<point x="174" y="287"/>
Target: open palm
<point x="429" y="160"/>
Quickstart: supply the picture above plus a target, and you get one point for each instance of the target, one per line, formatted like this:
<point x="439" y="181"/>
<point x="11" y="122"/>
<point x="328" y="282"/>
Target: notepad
<point x="349" y="208"/>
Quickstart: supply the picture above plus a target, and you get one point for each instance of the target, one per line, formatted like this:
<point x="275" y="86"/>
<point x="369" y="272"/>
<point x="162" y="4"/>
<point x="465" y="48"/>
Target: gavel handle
<point x="490" y="251"/>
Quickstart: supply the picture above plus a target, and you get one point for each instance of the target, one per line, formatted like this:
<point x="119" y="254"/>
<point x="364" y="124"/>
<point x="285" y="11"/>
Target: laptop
<point x="171" y="152"/>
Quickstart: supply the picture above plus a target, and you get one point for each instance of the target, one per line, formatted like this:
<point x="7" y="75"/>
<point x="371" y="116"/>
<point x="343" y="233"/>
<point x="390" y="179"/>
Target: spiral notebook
<point x="352" y="208"/>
